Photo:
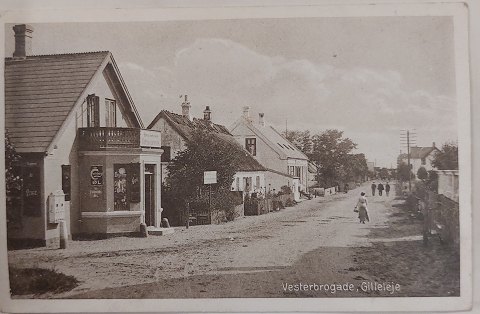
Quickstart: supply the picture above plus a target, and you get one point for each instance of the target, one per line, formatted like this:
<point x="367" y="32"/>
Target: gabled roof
<point x="41" y="91"/>
<point x="419" y="152"/>
<point x="273" y="138"/>
<point x="186" y="129"/>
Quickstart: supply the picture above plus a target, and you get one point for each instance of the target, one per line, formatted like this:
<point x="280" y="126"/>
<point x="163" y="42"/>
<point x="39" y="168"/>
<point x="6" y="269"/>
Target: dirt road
<point x="319" y="241"/>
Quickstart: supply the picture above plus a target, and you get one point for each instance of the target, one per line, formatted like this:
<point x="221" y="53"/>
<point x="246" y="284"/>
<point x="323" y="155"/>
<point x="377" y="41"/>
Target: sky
<point x="370" y="77"/>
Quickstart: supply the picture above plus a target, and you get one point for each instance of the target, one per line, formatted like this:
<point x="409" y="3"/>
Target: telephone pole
<point x="408" y="138"/>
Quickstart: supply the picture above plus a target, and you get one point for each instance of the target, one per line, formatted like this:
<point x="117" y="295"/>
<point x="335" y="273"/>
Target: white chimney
<point x="207" y="114"/>
<point x="186" y="108"/>
<point x="261" y="119"/>
<point x="246" y="113"/>
<point x="23" y="41"/>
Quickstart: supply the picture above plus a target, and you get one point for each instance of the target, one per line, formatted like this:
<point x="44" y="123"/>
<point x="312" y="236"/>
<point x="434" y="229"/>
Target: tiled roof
<point x="186" y="129"/>
<point x="40" y="91"/>
<point x="277" y="141"/>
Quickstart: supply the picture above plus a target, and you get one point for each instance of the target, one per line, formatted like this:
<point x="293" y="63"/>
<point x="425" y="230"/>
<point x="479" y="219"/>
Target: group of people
<point x="380" y="188"/>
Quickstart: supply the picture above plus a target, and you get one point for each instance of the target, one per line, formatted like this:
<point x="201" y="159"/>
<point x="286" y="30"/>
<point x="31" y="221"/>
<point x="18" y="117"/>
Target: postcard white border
<point x="57" y="12"/>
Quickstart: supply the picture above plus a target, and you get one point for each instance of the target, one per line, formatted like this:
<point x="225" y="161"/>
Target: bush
<point x="37" y="281"/>
<point x="289" y="202"/>
<point x="285" y="190"/>
<point x="422" y="173"/>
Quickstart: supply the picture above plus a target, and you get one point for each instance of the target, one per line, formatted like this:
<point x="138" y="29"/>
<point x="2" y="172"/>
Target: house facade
<point x="177" y="129"/>
<point x="420" y="157"/>
<point x="87" y="162"/>
<point x="288" y="165"/>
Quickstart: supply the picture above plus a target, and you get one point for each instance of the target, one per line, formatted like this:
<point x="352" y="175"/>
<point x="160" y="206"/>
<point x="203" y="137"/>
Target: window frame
<point x="251" y="142"/>
<point x="110" y="111"/>
<point x="67" y="183"/>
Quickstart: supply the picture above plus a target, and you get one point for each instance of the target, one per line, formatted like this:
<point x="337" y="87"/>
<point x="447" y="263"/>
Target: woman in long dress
<point x="361" y="207"/>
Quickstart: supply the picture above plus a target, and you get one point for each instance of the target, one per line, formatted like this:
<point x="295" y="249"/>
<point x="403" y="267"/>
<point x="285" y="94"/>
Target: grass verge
<point x="38" y="280"/>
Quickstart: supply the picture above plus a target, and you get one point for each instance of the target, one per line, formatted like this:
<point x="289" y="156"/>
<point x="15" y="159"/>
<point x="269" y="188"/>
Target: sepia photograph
<point x="283" y="156"/>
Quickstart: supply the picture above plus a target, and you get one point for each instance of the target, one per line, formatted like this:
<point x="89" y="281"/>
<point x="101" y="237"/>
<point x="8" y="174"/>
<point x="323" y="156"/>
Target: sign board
<point x="56" y="207"/>
<point x="209" y="177"/>
<point x="96" y="175"/>
<point x="96" y="192"/>
<point x="149" y="138"/>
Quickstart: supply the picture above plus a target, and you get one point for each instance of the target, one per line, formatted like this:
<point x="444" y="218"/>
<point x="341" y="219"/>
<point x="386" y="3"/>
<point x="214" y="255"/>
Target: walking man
<point x="380" y="189"/>
<point x="374" y="186"/>
<point x="387" y="188"/>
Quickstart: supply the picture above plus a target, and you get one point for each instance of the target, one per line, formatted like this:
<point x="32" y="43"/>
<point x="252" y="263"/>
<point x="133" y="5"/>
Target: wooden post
<point x="63" y="234"/>
<point x="187" y="221"/>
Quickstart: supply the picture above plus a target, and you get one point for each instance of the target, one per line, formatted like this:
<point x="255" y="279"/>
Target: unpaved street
<point x="316" y="241"/>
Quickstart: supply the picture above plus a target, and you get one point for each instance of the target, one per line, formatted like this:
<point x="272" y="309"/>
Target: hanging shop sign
<point x="96" y="175"/>
<point x="150" y="138"/>
<point x="209" y="177"/>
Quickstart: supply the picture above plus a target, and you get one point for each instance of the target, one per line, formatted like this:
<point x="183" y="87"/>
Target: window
<point x="237" y="184"/>
<point x="257" y="183"/>
<point x="291" y="170"/>
<point x="297" y="171"/>
<point x="66" y="181"/>
<point x="93" y="111"/>
<point x="251" y="146"/>
<point x="166" y="155"/>
<point x="424" y="161"/>
<point x="247" y="184"/>
<point x="120" y="193"/>
<point x="111" y="110"/>
<point x="126" y="188"/>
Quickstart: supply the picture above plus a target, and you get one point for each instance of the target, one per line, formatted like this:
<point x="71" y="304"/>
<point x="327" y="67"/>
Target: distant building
<point x="371" y="165"/>
<point x="177" y="131"/>
<point x="420" y="157"/>
<point x="86" y="159"/>
<point x="273" y="151"/>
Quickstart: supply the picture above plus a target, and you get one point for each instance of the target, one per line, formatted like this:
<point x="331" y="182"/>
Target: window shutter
<point x="96" y="111"/>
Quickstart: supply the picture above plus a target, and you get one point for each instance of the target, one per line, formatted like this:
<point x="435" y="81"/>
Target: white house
<point x="273" y="151"/>
<point x="420" y="157"/>
<point x="87" y="163"/>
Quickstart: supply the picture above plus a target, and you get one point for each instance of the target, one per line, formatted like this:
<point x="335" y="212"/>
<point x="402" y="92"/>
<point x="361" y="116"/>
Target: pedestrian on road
<point x="374" y="186"/>
<point x="380" y="189"/>
<point x="387" y="188"/>
<point x="361" y="208"/>
<point x="346" y="187"/>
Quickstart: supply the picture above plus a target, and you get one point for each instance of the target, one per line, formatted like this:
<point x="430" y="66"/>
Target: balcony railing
<point x="106" y="138"/>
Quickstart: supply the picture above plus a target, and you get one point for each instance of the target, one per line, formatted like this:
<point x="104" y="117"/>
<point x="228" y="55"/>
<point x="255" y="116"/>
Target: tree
<point x="383" y="173"/>
<point x="403" y="171"/>
<point x="422" y="173"/>
<point x="204" y="152"/>
<point x="330" y="152"/>
<point x="301" y="139"/>
<point x="447" y="157"/>
<point x="13" y="181"/>
<point x="356" y="168"/>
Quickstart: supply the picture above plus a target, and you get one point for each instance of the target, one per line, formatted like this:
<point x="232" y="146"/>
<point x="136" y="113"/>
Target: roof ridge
<point x="60" y="54"/>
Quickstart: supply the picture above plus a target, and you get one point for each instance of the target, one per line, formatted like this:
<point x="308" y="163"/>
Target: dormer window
<point x="251" y="145"/>
<point x="93" y="111"/>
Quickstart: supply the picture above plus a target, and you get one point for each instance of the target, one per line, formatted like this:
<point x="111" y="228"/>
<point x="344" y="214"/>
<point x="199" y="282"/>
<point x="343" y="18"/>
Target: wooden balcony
<point x="103" y="138"/>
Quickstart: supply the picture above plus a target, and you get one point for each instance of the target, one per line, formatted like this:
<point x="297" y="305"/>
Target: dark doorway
<point x="150" y="195"/>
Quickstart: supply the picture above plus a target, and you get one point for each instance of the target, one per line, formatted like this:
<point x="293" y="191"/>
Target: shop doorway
<point x="150" y="195"/>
